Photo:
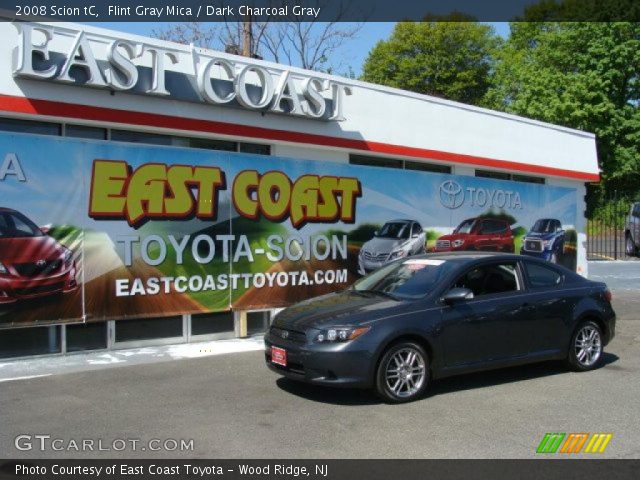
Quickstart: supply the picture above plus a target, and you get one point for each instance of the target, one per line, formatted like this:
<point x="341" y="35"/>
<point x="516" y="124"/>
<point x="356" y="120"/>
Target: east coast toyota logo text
<point x="574" y="443"/>
<point x="180" y="192"/>
<point x="453" y="195"/>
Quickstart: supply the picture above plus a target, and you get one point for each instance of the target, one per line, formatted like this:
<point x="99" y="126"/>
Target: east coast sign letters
<point x="215" y="80"/>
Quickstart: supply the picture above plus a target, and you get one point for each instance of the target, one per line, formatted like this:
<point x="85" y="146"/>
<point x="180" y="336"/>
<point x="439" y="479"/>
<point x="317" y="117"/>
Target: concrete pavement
<point x="232" y="406"/>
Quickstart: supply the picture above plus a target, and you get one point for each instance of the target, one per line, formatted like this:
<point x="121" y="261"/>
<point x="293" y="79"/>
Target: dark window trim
<point x="514" y="177"/>
<point x="253" y="148"/>
<point x="398" y="163"/>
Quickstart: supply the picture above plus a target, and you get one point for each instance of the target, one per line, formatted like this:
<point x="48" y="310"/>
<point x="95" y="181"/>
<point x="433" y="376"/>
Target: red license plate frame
<point x="279" y="356"/>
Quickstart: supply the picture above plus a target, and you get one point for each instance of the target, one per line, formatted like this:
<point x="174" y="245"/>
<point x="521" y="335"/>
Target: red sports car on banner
<point x="32" y="264"/>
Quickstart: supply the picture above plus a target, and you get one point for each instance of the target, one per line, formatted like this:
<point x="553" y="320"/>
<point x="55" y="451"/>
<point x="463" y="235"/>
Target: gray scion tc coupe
<point x="431" y="316"/>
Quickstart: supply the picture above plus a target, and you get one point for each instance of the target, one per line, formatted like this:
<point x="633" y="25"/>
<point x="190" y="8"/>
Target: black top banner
<point x="319" y="10"/>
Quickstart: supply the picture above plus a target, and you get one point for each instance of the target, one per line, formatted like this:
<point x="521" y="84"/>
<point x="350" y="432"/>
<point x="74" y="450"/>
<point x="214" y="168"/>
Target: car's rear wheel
<point x="585" y="350"/>
<point x="403" y="373"/>
<point x="630" y="247"/>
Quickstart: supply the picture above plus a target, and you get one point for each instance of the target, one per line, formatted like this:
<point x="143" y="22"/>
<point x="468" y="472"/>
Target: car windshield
<point x="408" y="279"/>
<point x="16" y="225"/>
<point x="394" y="230"/>
<point x="465" y="227"/>
<point x="543" y="226"/>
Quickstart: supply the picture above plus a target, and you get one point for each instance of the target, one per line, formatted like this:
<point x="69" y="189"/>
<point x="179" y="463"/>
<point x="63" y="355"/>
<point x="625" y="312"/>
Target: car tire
<point x="630" y="248"/>
<point x="586" y="347"/>
<point x="403" y="373"/>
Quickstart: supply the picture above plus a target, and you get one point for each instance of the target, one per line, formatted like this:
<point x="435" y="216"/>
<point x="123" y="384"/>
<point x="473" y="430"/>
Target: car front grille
<point x="380" y="257"/>
<point x="38" y="290"/>
<point x="533" y="245"/>
<point x="290" y="335"/>
<point x="443" y="244"/>
<point x="36" y="269"/>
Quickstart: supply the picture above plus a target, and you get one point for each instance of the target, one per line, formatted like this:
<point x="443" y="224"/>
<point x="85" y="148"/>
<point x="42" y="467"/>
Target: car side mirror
<point x="457" y="295"/>
<point x="375" y="233"/>
<point x="45" y="230"/>
<point x="415" y="235"/>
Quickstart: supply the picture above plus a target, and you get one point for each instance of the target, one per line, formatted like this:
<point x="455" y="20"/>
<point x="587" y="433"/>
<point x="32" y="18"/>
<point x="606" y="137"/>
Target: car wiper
<point x="381" y="293"/>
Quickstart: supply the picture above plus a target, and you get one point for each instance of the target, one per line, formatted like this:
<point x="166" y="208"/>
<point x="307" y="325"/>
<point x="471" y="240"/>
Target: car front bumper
<point x="543" y="255"/>
<point x="366" y="266"/>
<point x="13" y="289"/>
<point x="333" y="364"/>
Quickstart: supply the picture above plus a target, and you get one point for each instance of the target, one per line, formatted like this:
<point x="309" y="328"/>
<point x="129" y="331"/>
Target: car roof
<point x="484" y="217"/>
<point x="5" y="209"/>
<point x="462" y="258"/>
<point x="401" y="220"/>
<point x="468" y="257"/>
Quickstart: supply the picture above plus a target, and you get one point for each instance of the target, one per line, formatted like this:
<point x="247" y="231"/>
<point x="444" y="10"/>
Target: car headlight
<point x="3" y="269"/>
<point x="68" y="256"/>
<point x="397" y="254"/>
<point x="339" y="334"/>
<point x="458" y="243"/>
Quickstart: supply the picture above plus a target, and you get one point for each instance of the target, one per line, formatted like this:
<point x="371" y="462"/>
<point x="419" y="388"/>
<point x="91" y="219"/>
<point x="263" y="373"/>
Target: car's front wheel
<point x="585" y="350"/>
<point x="403" y="373"/>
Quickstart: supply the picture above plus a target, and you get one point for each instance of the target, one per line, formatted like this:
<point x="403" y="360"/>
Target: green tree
<point x="446" y="59"/>
<point x="580" y="75"/>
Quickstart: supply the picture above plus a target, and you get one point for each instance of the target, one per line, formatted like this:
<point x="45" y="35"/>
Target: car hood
<point x="540" y="235"/>
<point x="378" y="245"/>
<point x="453" y="236"/>
<point x="345" y="308"/>
<point x="26" y="250"/>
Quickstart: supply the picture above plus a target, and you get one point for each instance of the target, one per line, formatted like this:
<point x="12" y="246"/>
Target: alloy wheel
<point x="405" y="372"/>
<point x="588" y="346"/>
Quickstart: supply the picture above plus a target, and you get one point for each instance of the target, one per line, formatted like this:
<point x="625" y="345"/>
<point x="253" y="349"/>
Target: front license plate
<point x="279" y="356"/>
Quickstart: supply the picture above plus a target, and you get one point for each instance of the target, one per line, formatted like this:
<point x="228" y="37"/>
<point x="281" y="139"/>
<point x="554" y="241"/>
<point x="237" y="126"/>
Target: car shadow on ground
<point x="488" y="378"/>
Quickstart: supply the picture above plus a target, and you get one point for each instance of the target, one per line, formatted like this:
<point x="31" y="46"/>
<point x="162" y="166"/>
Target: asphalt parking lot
<point x="232" y="406"/>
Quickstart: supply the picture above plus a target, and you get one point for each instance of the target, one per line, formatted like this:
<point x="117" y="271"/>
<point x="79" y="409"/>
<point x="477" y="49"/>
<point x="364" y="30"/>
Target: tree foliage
<point x="583" y="75"/>
<point x="580" y="75"/>
<point x="446" y="59"/>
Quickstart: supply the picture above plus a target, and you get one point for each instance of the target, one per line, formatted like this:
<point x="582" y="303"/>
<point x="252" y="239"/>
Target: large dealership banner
<point x="94" y="230"/>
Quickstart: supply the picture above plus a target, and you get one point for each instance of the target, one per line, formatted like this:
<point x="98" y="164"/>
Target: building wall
<point x="378" y="119"/>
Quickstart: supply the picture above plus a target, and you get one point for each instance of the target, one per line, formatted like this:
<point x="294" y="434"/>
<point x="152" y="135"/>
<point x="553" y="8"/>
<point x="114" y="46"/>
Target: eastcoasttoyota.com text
<point x="319" y="239"/>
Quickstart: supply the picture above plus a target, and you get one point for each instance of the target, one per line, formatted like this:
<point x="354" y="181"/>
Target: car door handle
<point x="526" y="306"/>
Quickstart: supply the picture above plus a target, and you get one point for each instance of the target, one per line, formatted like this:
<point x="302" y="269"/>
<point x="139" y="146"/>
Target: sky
<point x="353" y="53"/>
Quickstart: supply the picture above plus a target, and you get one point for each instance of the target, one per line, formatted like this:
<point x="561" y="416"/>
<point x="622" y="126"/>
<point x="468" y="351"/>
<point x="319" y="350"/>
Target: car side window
<point x="20" y="226"/>
<point x="4" y="225"/>
<point x="541" y="276"/>
<point x="490" y="279"/>
<point x="492" y="226"/>
<point x="417" y="229"/>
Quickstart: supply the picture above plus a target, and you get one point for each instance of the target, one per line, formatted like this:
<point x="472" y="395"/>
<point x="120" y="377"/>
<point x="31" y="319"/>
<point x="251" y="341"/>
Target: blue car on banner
<point x="545" y="240"/>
